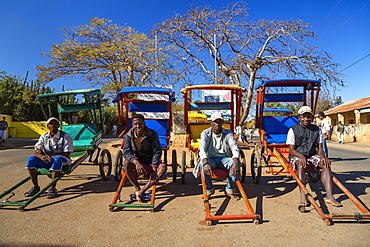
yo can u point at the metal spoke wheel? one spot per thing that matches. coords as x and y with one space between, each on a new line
174 166
183 167
256 166
117 165
105 164
243 167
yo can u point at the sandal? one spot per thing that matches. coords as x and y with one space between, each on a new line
32 191
52 193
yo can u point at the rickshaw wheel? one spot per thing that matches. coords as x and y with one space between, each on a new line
243 167
183 167
314 177
117 165
256 168
256 222
209 222
105 164
174 166
111 209
192 159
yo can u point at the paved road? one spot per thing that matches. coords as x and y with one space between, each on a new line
80 215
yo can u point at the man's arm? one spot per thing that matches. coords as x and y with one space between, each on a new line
203 155
301 158
156 149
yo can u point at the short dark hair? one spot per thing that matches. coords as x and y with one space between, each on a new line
321 114
138 116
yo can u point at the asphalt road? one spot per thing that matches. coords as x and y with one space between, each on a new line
80 215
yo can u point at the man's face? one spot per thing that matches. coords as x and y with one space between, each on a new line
217 126
305 119
139 125
53 126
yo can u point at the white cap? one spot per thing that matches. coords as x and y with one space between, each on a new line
217 115
304 109
51 119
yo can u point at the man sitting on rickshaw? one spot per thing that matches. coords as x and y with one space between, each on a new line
307 155
218 149
52 151
142 152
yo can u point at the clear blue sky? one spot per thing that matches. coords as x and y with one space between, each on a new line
29 28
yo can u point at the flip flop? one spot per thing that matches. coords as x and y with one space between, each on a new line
32 192
334 204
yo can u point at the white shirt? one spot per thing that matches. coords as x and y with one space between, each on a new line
324 126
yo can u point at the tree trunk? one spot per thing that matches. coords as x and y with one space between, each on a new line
245 111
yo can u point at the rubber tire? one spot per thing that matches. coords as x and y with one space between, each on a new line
256 167
117 165
174 166
243 167
105 164
183 166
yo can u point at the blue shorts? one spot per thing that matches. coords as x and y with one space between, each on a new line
56 164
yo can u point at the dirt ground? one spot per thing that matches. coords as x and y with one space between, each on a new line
80 215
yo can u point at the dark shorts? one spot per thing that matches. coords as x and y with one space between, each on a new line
313 161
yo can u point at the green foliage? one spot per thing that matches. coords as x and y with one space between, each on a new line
105 54
18 98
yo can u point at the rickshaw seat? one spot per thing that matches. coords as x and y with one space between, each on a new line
276 127
82 134
161 126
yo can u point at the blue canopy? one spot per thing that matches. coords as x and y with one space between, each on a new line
282 109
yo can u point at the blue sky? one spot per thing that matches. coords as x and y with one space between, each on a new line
30 27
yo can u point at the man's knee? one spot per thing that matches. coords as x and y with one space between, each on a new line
32 162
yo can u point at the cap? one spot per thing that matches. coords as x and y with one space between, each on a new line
217 115
321 114
51 119
304 109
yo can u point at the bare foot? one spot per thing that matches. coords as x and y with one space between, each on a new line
233 197
139 195
333 202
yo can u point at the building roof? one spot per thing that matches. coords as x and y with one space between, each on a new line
357 104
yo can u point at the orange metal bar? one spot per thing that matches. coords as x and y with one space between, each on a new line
119 189
207 206
350 196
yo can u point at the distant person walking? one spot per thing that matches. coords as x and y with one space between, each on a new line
325 129
3 127
340 130
115 130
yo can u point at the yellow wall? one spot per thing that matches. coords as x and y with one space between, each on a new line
27 129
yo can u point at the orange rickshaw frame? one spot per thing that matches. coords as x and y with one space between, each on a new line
234 107
264 150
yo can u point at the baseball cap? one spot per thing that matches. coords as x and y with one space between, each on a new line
217 115
51 119
304 109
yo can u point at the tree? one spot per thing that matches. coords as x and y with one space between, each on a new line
18 98
255 50
107 54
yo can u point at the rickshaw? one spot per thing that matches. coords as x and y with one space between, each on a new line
225 98
86 136
155 104
273 124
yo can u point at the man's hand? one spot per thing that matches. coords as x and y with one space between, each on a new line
46 158
207 169
302 162
235 168
139 168
325 162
